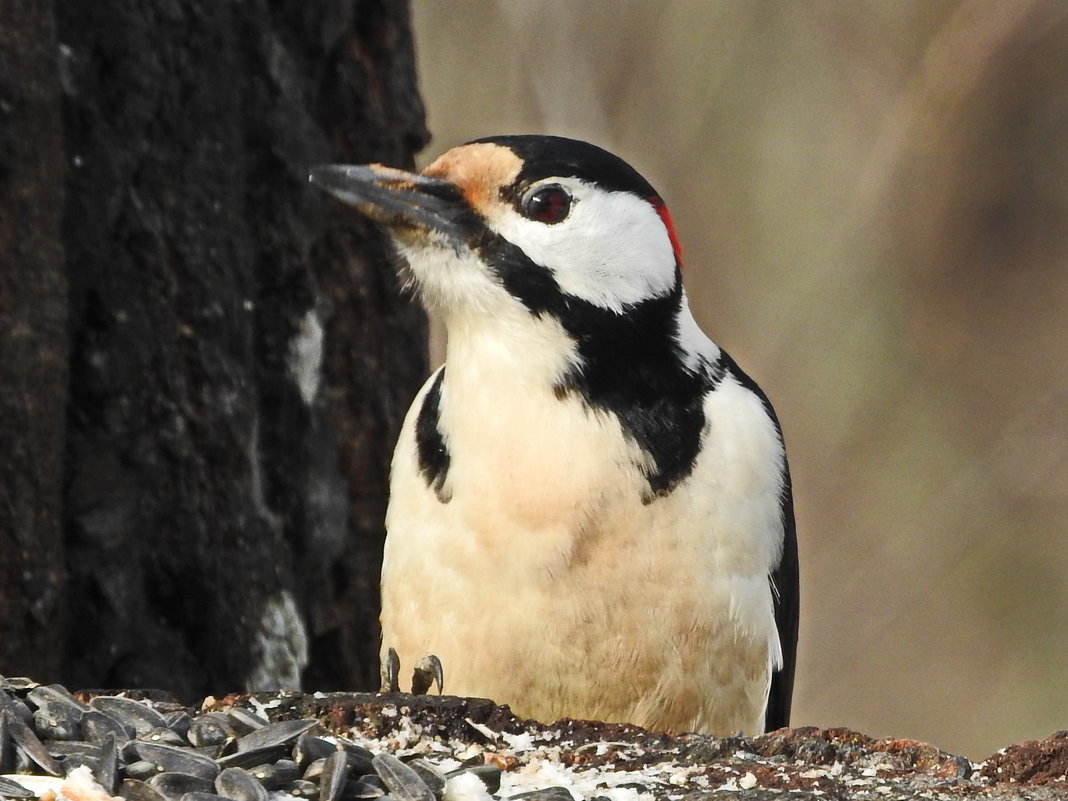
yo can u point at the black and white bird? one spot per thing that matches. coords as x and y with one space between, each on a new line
590 508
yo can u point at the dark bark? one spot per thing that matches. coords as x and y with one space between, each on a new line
33 342
240 355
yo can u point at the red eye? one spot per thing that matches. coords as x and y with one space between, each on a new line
547 204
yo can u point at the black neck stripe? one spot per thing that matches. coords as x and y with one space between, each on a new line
631 363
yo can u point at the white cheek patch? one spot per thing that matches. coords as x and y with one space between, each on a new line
612 250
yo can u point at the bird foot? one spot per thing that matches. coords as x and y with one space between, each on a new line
427 672
390 672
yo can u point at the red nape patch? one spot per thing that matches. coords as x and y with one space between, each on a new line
665 216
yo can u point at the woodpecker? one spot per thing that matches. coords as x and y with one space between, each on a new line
590 510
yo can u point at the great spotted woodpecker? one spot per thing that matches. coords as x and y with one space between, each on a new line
590 507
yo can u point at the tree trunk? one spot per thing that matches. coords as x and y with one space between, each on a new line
33 342
240 356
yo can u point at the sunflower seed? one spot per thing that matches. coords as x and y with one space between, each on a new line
55 696
302 788
17 683
283 733
175 785
365 787
251 759
245 721
545 794
212 728
12 789
402 782
239 785
433 778
6 757
179 723
313 771
134 790
140 717
275 775
335 773
164 737
141 769
65 748
29 745
16 707
310 748
361 761
96 726
178 760
107 770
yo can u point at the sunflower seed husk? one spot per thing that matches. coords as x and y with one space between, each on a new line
302 788
433 778
30 746
137 716
335 774
309 748
283 734
107 769
239 785
245 721
135 790
402 782
12 789
179 723
175 785
210 729
545 794
177 760
365 787
97 725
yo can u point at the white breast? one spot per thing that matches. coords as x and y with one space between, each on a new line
546 583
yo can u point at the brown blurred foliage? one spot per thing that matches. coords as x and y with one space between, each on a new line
873 198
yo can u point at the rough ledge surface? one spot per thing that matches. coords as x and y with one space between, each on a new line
568 760
799 763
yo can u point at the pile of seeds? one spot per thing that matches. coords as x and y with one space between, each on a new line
288 746
145 751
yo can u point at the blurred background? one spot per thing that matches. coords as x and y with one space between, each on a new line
873 203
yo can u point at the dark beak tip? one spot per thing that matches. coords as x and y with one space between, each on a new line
394 198
328 175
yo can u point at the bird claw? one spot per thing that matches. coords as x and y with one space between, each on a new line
428 671
391 672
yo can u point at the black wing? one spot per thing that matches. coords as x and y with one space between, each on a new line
786 592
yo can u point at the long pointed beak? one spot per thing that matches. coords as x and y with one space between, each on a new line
402 201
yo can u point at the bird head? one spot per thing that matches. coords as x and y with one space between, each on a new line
554 225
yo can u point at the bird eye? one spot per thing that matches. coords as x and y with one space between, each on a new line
547 204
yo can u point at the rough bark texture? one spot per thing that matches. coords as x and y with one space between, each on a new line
33 344
239 355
